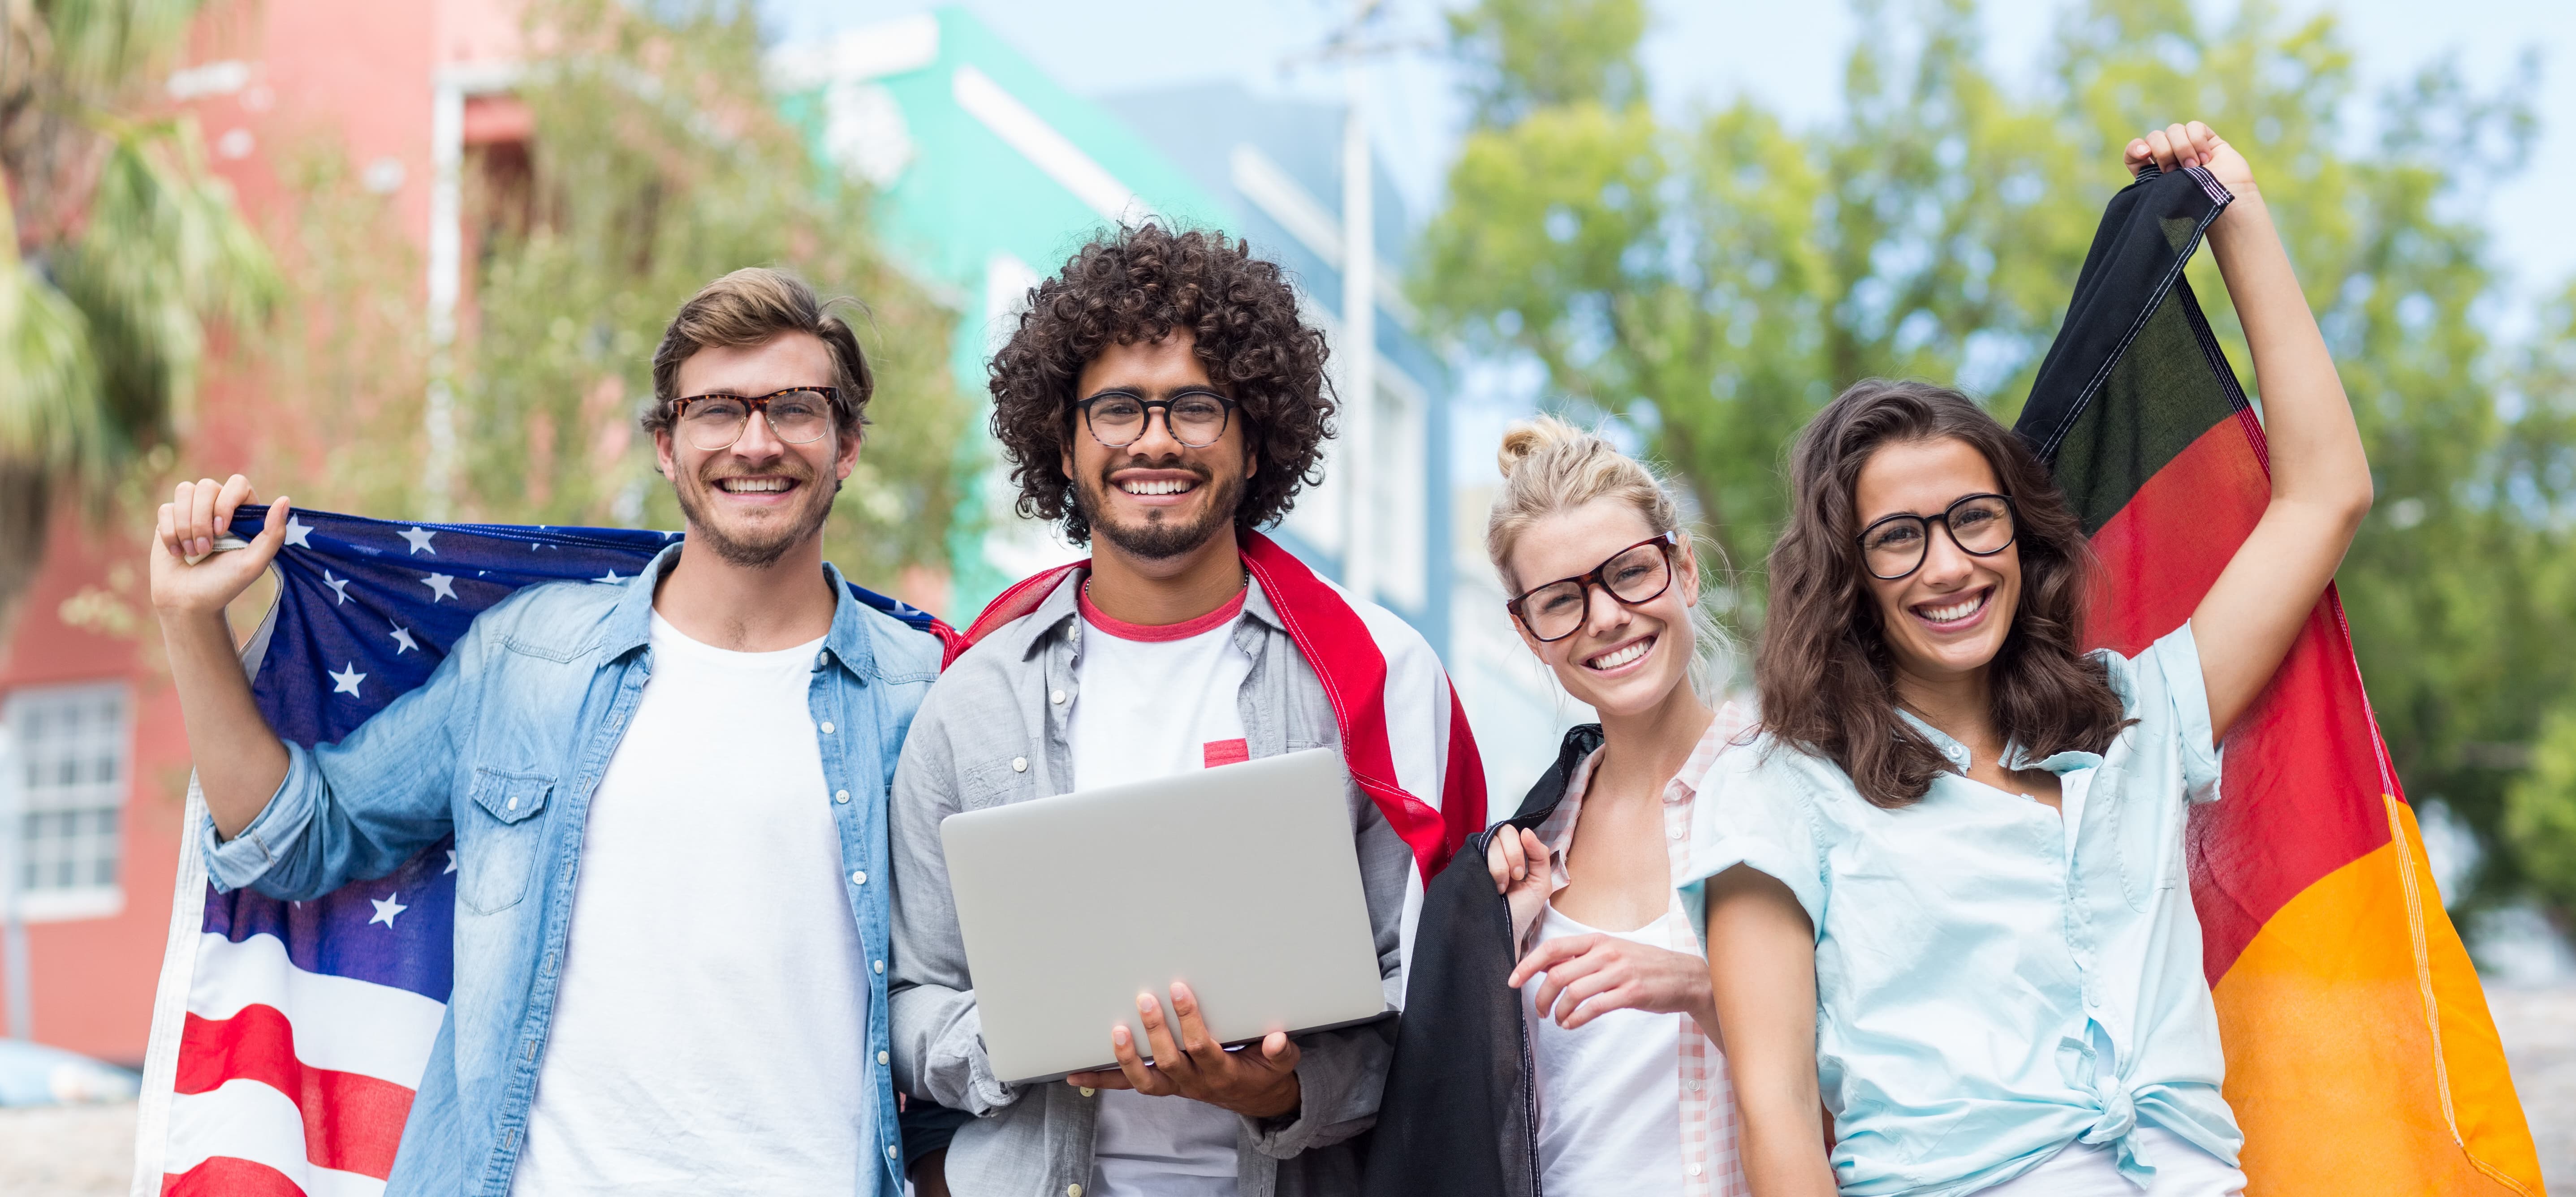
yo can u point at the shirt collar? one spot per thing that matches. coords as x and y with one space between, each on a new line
1062 609
630 623
2014 758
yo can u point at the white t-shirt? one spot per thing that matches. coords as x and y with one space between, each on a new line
1151 702
1609 1113
710 1035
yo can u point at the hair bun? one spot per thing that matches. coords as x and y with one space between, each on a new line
1526 439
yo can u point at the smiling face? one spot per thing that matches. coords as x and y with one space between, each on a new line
1156 498
762 497
1948 618
1625 660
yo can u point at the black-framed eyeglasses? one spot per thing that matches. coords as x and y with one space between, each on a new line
1894 546
1117 419
797 415
1633 575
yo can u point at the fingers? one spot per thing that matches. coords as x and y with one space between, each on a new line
168 530
2184 153
1132 1068
1168 1057
1540 859
1201 1047
1545 956
1585 999
1110 1079
1280 1052
272 532
236 491
1581 966
201 517
1503 859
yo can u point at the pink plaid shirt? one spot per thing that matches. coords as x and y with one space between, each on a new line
1710 1166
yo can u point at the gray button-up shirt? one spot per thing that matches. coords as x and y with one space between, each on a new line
991 733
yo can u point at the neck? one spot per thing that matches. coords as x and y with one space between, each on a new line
1961 706
783 604
1155 591
1642 750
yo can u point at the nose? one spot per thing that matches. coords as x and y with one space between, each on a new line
758 441
1156 441
1602 611
1944 561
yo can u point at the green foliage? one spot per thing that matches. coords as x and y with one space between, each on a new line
1712 282
122 250
1534 54
659 164
2540 811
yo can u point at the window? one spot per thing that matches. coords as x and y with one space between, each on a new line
73 742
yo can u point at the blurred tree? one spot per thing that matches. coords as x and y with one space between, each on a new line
124 250
1711 283
657 164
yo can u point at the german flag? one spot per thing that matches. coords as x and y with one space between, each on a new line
2360 1055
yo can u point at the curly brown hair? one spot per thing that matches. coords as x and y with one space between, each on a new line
1823 671
1138 284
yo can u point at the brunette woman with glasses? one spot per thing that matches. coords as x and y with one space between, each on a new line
1944 889
1558 1032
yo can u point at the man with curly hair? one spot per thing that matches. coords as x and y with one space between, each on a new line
1162 401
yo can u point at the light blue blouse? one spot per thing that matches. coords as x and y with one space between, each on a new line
1995 981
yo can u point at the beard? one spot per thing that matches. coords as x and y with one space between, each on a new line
1162 536
760 546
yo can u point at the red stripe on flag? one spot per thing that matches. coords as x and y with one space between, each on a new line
1345 657
352 1122
224 1176
2173 537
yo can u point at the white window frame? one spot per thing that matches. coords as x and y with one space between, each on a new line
83 811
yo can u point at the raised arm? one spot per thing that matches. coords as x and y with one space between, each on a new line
240 762
1762 975
2320 479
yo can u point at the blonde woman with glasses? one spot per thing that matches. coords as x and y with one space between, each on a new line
1559 1031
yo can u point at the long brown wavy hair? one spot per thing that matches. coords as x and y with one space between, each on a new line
1824 672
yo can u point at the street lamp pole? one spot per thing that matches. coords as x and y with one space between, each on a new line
13 925
1359 330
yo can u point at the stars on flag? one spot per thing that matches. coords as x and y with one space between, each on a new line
339 588
440 586
419 539
297 531
611 578
386 908
451 862
403 642
346 680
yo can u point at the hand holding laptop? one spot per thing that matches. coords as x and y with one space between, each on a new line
1257 1082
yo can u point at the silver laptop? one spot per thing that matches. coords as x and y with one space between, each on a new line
1241 880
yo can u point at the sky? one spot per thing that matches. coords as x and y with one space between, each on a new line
1706 52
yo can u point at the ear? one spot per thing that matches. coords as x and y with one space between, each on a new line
1687 565
662 454
846 458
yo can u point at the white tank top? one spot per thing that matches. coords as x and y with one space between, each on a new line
1609 1107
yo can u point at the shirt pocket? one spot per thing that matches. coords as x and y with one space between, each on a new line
496 843
2148 833
991 783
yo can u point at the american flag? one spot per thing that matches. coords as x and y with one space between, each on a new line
288 1037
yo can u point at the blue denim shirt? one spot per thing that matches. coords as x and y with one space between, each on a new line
504 746
1996 980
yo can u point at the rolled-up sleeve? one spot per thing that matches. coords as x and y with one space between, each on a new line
1753 814
2169 685
361 806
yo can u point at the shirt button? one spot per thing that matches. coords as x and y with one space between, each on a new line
1693 1086
880 967
859 878
1694 1169
822 659
1088 1090
1019 764
840 795
881 1057
1073 1191
827 727
891 1153
1676 833
1057 698
513 804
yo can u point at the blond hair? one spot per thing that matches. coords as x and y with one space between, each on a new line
1549 467
752 306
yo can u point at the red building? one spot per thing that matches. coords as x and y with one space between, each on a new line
403 88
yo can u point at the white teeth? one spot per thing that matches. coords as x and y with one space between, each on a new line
1165 487
744 486
1613 660
1956 611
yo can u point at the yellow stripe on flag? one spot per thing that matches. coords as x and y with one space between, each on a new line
2360 1055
